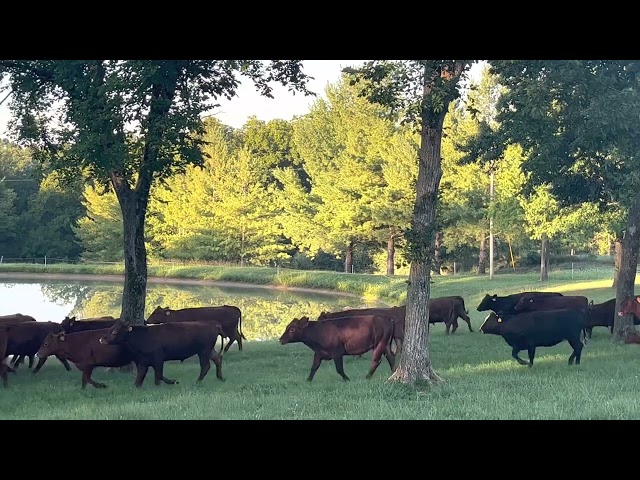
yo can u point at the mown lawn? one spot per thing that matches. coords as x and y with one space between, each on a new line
268 381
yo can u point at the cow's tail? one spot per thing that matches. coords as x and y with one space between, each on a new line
240 326
392 337
464 307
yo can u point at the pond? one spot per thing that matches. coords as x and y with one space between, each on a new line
265 312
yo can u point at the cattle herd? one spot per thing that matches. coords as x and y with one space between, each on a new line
524 320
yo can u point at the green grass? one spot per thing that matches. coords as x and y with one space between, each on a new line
268 381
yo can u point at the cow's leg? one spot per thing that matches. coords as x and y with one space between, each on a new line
589 331
391 358
226 349
455 325
205 365
31 357
340 368
377 358
86 378
448 327
217 360
64 362
16 361
141 372
158 369
577 345
41 361
514 354
3 374
314 368
239 339
532 354
466 318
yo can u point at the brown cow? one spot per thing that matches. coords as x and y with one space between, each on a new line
630 306
228 316
71 325
26 338
85 351
151 346
16 318
529 303
602 315
447 310
334 338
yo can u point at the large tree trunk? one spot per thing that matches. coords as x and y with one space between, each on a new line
348 258
544 258
628 267
491 238
617 261
415 363
391 253
482 257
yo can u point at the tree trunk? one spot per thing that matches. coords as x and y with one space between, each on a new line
482 257
544 258
391 253
415 363
628 266
491 239
618 259
135 259
437 260
348 258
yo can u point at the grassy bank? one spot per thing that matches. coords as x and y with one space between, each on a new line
391 290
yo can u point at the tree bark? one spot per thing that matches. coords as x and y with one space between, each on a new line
133 204
491 239
482 257
348 258
628 265
391 253
618 259
544 258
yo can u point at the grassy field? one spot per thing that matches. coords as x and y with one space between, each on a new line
268 380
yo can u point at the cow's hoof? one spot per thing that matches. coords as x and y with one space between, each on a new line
100 385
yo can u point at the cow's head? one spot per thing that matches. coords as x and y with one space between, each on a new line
524 304
68 322
159 315
491 324
630 306
116 334
293 331
51 344
488 303
322 315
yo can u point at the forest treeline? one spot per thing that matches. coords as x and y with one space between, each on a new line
333 189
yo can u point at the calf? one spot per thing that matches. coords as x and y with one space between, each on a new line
71 325
533 303
602 315
228 316
334 338
24 339
505 304
151 346
86 351
529 330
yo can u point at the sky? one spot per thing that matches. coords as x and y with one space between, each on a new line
248 102
28 299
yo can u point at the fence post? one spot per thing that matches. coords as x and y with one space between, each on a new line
45 260
571 270
1 257
454 267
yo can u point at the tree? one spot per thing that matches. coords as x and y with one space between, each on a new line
575 119
418 92
126 124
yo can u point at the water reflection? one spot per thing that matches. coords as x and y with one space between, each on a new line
265 313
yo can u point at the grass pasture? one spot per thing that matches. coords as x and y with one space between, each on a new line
268 380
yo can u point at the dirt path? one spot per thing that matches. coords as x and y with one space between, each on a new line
164 280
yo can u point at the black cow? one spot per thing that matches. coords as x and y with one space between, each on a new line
505 304
332 339
71 325
602 315
85 351
153 345
529 330
24 339
530 303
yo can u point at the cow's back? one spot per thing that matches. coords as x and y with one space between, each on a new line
16 318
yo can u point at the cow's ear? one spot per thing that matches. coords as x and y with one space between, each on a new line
130 328
494 296
499 320
638 299
531 300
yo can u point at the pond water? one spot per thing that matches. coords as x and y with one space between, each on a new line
265 312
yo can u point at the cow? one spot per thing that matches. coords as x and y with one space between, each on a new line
528 330
24 339
228 316
334 338
71 325
505 304
602 315
16 318
152 345
394 313
630 305
447 310
533 303
85 351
